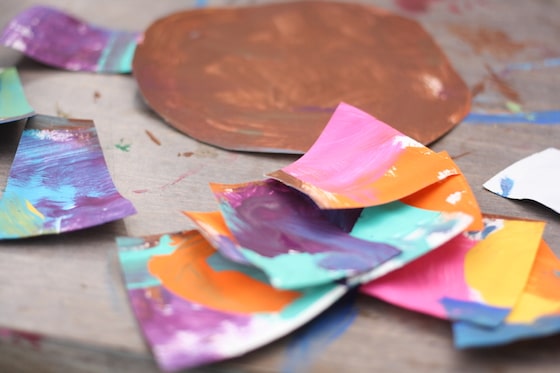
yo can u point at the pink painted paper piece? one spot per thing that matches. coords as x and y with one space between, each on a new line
359 161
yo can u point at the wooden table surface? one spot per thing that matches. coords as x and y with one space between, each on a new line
65 295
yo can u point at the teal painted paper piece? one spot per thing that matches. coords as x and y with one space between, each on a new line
413 230
13 103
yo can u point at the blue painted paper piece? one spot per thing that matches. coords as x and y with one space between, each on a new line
475 312
467 335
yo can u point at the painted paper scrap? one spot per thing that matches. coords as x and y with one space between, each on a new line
283 232
535 178
13 103
414 231
214 228
453 194
359 161
536 314
477 276
59 181
196 307
60 40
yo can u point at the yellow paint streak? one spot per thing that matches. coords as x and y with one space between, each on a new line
498 267
541 296
32 208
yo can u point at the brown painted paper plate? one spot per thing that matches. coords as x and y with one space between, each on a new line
267 78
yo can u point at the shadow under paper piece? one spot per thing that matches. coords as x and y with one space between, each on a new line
13 103
196 307
60 40
59 181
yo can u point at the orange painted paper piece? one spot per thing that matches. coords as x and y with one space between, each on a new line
452 194
541 296
210 222
187 273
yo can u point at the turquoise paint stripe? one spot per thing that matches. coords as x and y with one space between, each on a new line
13 103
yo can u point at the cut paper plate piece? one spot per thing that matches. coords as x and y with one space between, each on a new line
13 103
195 307
453 194
359 161
60 40
267 77
476 277
59 181
283 232
535 177
536 314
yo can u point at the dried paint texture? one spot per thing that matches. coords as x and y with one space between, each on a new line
414 231
59 181
452 194
214 228
536 313
194 306
359 161
13 104
467 278
535 177
283 232
267 77
60 40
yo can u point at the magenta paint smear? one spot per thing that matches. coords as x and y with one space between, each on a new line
60 40
59 181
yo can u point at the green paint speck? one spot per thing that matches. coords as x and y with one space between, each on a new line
513 107
122 146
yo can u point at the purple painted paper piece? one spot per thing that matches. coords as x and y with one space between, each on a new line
60 40
272 219
184 332
59 181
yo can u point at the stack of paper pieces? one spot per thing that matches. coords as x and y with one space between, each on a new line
365 206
